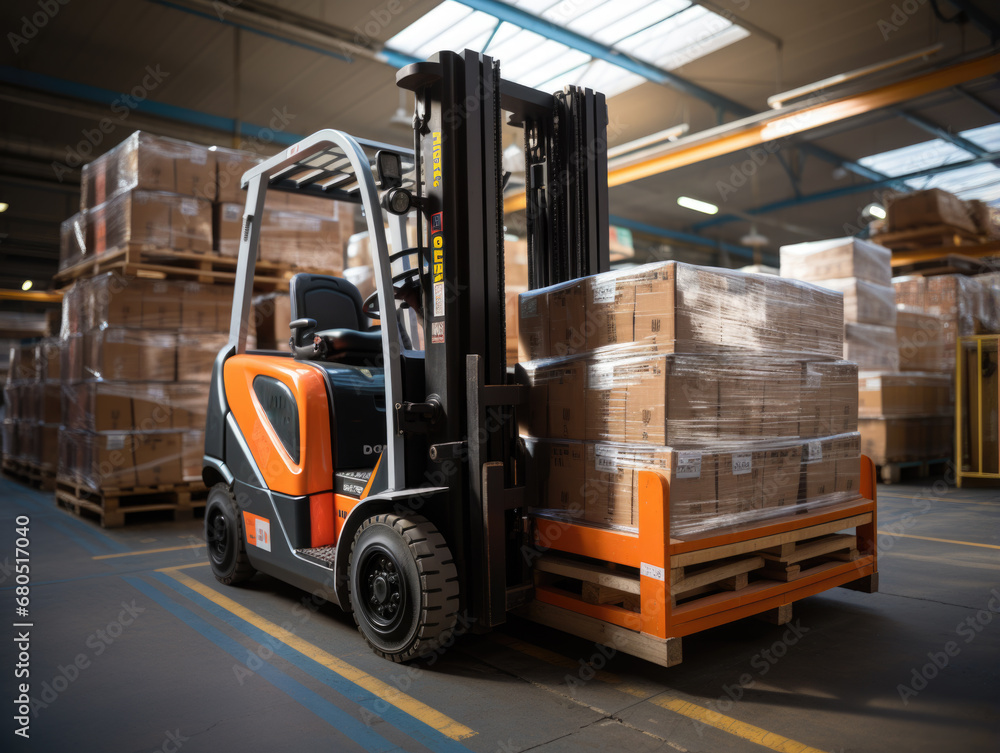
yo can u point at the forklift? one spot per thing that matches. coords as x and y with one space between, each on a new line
378 462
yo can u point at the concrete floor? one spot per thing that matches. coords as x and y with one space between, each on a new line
125 657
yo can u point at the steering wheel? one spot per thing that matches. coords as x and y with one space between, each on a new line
370 307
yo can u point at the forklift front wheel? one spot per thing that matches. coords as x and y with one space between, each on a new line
404 586
224 536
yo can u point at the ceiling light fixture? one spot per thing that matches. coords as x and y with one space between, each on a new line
26 285
698 206
4 206
875 210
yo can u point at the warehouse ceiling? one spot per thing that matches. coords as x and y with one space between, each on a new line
207 71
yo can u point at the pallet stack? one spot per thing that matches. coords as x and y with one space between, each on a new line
31 426
729 384
151 260
934 218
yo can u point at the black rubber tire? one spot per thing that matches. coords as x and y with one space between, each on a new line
426 582
224 536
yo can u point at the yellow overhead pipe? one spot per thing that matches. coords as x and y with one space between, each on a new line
689 151
38 296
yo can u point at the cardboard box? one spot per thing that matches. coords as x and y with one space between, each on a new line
105 408
691 477
871 347
608 481
157 356
838 383
820 480
610 309
196 356
782 403
566 313
230 166
912 394
50 410
780 475
566 407
533 326
895 440
605 399
927 208
864 301
739 481
161 306
565 476
837 259
158 458
111 355
191 225
199 309
194 173
227 228
848 477
671 400
815 407
921 341
193 453
533 420
151 408
109 460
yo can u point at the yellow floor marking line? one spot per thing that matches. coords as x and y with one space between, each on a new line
144 551
551 657
734 727
939 499
431 717
170 569
943 541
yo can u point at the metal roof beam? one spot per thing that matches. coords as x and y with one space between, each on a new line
677 235
942 133
847 190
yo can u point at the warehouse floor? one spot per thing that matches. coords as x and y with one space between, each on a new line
135 647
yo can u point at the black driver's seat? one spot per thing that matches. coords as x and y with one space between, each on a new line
333 305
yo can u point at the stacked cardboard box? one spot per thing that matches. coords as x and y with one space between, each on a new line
862 272
32 397
306 232
137 357
728 384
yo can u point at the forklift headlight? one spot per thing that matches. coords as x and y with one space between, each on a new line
398 200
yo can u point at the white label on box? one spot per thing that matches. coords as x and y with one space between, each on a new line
688 465
199 157
873 383
438 299
652 571
116 441
189 207
601 376
231 212
814 451
604 292
742 463
310 224
262 533
606 459
813 378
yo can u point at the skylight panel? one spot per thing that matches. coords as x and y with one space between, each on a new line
916 157
666 33
988 137
975 182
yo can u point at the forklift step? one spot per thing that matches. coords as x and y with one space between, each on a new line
322 555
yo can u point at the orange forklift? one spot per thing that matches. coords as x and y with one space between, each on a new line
379 461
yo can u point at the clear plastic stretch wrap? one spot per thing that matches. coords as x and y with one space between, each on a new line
287 237
837 259
152 163
871 346
120 460
134 407
729 384
637 393
72 240
885 395
709 488
897 439
865 302
32 400
967 305
681 308
150 220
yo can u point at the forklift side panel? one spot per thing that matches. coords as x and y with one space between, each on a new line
313 471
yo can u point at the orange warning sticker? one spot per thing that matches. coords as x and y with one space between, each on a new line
258 531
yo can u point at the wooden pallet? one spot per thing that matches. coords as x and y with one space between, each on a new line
140 260
893 473
31 474
110 506
930 236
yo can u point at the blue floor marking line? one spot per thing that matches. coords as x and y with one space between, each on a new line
26 498
418 730
337 718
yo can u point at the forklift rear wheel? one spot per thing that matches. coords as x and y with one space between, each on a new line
404 586
225 539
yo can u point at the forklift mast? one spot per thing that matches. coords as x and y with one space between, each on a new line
459 99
